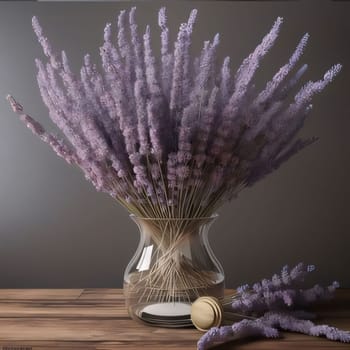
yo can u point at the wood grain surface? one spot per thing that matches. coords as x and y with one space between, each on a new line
84 319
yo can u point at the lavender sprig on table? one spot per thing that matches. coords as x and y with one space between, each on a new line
282 291
268 326
274 304
171 135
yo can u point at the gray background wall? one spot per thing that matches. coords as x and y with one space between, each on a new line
57 231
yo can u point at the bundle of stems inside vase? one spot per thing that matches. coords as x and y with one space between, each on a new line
173 135
172 275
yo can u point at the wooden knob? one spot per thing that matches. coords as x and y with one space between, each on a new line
206 312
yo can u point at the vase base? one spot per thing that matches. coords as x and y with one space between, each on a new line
161 310
171 314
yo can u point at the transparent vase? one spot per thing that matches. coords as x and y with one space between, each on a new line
172 266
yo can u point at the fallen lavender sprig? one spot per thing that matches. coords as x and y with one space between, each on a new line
239 330
267 326
172 135
275 304
281 292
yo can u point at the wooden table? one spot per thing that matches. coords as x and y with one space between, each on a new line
84 319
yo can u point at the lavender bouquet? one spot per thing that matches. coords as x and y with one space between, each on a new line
172 137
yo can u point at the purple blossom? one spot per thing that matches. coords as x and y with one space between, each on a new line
167 56
176 93
274 304
208 130
239 330
45 44
281 292
288 322
61 149
279 77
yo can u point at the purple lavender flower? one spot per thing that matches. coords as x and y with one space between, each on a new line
275 303
56 144
267 326
290 323
281 292
239 330
207 130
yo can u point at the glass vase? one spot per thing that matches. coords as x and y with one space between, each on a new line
172 266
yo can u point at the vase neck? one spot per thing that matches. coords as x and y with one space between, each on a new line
173 230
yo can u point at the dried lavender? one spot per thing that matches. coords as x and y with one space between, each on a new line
171 136
282 292
274 304
56 144
267 326
207 130
241 329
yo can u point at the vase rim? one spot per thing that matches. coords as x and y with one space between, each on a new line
213 216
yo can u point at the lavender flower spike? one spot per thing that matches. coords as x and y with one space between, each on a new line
166 56
305 94
290 323
44 42
278 78
57 145
251 63
176 94
281 292
239 330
